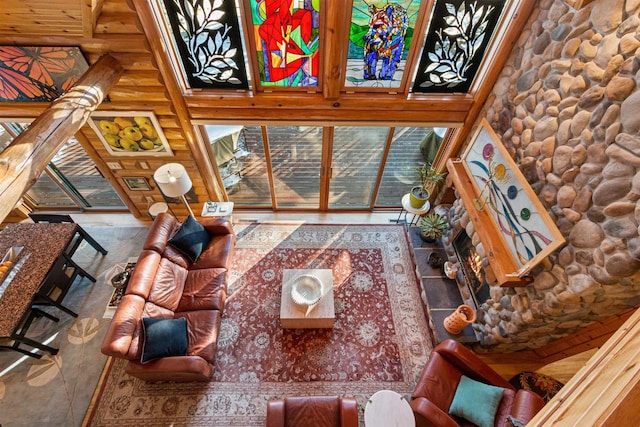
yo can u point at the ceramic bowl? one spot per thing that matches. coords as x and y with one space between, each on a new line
306 290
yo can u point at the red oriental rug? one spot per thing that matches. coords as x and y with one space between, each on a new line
380 339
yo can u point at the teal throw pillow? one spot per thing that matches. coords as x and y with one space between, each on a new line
191 239
163 338
476 402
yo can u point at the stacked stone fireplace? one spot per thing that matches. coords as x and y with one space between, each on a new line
566 107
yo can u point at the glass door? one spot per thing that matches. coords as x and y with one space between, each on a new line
310 167
355 161
296 160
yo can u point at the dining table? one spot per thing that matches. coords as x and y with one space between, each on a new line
40 245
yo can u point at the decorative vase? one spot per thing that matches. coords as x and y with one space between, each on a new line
459 319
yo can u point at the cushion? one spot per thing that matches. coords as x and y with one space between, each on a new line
163 338
190 239
476 402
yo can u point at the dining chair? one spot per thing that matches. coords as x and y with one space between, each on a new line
19 337
57 284
50 218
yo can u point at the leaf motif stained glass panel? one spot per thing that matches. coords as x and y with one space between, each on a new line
456 43
287 37
208 38
380 35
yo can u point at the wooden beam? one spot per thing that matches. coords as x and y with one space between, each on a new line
22 162
335 32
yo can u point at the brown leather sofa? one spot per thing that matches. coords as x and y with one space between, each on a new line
166 284
312 411
437 386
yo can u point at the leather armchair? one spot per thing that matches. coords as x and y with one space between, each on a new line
312 411
437 386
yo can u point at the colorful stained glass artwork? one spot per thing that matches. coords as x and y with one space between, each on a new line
287 41
520 217
38 73
380 37
459 33
208 37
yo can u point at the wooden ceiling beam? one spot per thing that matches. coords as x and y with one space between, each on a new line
22 162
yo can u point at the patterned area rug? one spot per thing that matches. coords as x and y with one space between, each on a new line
380 339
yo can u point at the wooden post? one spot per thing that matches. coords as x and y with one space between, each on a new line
22 162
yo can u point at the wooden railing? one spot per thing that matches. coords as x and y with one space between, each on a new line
606 391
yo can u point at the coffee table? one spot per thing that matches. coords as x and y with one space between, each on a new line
387 408
320 315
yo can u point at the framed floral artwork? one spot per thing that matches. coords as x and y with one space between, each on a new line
133 133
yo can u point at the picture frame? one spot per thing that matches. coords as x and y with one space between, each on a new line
136 183
130 133
514 210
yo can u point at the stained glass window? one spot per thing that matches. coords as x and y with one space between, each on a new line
208 38
380 35
287 41
458 36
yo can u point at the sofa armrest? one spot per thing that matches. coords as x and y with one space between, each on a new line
349 412
119 335
217 226
526 404
427 414
470 364
177 368
275 413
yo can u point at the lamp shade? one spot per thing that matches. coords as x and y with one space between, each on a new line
173 179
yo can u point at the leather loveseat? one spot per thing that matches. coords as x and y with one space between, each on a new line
166 284
437 386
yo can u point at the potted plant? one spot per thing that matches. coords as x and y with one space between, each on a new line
428 177
432 225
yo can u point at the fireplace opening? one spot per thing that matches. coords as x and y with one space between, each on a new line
472 270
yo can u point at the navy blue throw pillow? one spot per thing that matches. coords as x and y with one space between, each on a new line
163 338
191 239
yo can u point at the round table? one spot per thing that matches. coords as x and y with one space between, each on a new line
407 208
157 208
387 408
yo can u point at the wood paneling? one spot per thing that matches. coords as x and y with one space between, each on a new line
40 18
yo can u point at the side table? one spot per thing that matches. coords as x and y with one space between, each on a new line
221 209
387 408
407 208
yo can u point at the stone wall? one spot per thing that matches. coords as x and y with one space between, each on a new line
567 106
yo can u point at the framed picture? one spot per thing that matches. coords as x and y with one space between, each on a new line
136 183
501 190
133 133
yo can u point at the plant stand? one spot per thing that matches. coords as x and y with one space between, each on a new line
407 208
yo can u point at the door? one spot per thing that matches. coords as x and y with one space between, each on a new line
319 168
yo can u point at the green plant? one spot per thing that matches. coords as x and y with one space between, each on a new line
428 177
432 225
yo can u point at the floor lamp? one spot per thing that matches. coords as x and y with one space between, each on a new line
174 181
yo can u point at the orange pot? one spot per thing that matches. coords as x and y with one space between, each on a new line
459 319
